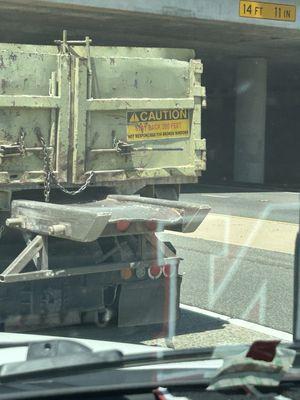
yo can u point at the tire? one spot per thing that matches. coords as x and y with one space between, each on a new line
167 192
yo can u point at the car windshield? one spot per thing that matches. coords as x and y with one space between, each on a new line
149 172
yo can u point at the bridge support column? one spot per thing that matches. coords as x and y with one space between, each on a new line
251 92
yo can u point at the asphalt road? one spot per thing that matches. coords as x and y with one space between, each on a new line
239 263
271 205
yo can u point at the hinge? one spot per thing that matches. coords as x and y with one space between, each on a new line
200 154
200 144
197 89
10 150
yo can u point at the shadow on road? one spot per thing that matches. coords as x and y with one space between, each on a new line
232 187
189 323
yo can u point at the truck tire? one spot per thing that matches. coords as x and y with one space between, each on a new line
167 192
100 318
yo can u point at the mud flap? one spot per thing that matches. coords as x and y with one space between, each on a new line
49 303
147 302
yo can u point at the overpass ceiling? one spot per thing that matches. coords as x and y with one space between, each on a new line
42 24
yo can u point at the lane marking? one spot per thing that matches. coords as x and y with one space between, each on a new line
221 196
287 337
255 233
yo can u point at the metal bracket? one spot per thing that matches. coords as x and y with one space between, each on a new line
65 44
10 150
65 47
123 148
37 246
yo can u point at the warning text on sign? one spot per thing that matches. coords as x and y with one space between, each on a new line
264 10
157 124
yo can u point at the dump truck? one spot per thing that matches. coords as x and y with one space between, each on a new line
94 145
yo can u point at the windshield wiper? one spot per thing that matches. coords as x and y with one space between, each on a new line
69 357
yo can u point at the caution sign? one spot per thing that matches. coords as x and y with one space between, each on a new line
158 124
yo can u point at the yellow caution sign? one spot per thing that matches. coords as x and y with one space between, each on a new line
264 10
134 118
158 124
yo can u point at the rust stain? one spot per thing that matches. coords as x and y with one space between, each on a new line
25 83
13 57
3 84
136 81
2 65
7 135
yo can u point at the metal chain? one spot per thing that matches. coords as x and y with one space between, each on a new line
21 142
47 169
2 229
50 175
73 192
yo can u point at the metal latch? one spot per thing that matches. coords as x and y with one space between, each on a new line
65 44
10 149
123 148
14 149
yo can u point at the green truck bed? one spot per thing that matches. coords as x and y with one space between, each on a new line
122 116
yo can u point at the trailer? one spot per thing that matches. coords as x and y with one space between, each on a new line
94 262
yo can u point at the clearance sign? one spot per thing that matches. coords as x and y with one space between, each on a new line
264 10
158 124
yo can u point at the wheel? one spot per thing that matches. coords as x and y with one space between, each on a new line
167 192
101 318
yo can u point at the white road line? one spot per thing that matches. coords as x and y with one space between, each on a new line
247 232
284 336
221 196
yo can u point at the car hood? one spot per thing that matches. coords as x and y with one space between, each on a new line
18 354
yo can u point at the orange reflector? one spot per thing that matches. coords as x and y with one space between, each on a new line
167 270
170 270
122 225
126 273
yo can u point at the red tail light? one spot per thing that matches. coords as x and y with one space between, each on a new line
154 271
169 270
151 225
122 225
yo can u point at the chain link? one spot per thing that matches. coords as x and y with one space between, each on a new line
21 142
50 175
2 229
